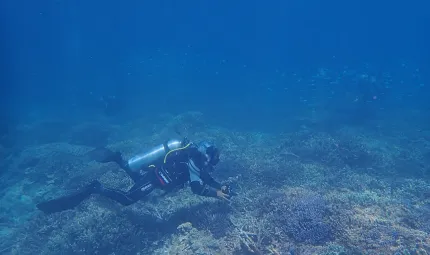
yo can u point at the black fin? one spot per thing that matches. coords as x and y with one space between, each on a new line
69 201
104 155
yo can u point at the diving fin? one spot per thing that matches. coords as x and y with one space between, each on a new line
69 201
104 155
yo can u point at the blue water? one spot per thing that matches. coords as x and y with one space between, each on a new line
197 54
271 67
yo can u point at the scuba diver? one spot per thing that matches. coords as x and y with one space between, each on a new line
166 167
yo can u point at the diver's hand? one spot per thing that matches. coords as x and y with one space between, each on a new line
222 195
226 189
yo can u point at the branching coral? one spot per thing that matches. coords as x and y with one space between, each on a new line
189 240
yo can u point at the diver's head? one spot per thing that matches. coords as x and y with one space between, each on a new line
210 154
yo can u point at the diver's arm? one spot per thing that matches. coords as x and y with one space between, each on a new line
209 180
206 186
214 184
203 190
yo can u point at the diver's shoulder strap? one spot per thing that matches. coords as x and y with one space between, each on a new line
166 146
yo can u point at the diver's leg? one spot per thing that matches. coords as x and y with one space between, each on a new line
135 176
104 155
138 191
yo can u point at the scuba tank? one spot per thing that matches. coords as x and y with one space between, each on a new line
153 155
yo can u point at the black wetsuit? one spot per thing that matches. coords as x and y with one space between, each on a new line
181 167
176 171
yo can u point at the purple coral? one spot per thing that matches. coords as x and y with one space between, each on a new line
302 218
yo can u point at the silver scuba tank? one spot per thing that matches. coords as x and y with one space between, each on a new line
149 157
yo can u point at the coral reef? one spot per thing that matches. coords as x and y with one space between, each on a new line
302 218
306 192
190 240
